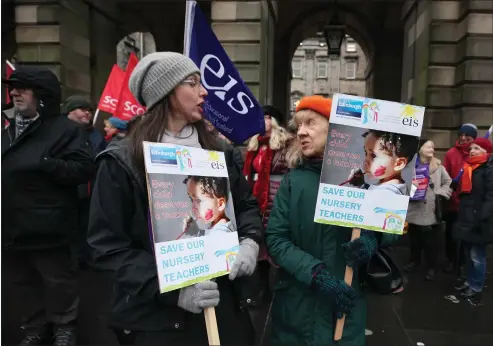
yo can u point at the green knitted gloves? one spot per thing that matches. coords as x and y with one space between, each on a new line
360 250
341 295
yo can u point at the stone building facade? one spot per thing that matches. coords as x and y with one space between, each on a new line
434 53
313 72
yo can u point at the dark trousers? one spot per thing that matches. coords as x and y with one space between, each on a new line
424 238
45 281
475 257
453 249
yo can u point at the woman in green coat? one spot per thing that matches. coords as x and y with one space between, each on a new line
310 293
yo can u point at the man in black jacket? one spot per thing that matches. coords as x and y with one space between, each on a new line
44 158
78 109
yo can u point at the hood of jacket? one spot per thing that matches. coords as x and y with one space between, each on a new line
45 85
121 152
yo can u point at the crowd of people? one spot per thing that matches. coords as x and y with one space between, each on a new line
73 198
456 202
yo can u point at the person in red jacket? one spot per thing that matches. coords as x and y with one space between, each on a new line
264 168
453 163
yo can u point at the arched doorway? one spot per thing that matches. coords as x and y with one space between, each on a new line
375 29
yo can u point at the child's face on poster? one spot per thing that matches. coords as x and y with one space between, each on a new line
379 163
204 207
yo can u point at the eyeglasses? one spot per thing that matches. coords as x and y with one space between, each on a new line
192 82
19 87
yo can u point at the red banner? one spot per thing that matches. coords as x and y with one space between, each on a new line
109 99
9 68
128 107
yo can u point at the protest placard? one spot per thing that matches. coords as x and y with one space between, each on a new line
369 163
368 167
192 214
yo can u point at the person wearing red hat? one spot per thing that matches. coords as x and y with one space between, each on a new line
475 222
311 293
453 161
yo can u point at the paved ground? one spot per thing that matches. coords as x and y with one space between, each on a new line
419 314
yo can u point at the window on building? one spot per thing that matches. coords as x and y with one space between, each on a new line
297 69
351 70
350 46
322 71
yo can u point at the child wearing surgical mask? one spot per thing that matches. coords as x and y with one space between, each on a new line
209 196
386 156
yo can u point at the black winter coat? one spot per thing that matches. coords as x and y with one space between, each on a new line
475 220
41 170
119 234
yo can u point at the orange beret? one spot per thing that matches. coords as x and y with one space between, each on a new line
316 103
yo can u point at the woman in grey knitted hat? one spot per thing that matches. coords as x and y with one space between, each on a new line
168 85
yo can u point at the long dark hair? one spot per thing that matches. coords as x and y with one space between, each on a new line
151 128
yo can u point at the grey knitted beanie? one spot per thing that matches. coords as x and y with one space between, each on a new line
157 74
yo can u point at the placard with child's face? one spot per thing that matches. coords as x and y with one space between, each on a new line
193 224
369 163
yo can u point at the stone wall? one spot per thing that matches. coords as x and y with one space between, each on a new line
76 39
245 29
448 66
56 36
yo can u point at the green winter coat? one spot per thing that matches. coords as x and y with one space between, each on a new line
300 316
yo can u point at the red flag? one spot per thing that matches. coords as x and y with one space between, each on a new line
111 92
128 107
9 68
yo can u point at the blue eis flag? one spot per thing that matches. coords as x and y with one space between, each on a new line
230 105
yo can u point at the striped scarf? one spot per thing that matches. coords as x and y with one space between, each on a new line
22 123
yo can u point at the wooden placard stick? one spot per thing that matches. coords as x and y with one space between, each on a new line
348 279
211 326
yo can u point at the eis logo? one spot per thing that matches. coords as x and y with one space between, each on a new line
409 117
349 108
214 160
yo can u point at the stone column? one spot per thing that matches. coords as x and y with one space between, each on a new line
55 35
246 31
451 43
443 95
474 72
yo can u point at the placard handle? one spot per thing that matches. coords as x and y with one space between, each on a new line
348 279
211 326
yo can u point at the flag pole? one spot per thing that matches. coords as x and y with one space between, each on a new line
189 9
10 65
95 117
209 313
